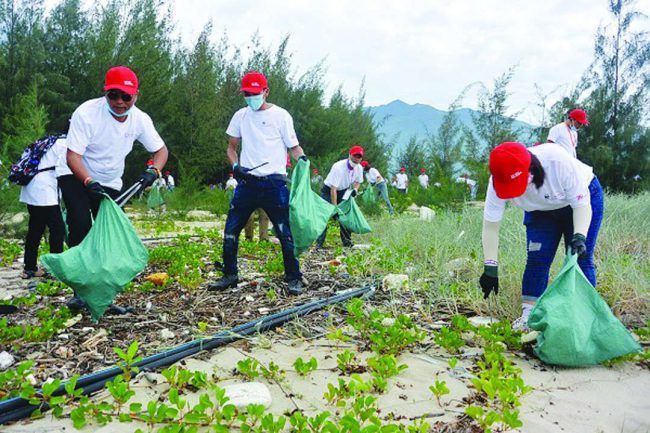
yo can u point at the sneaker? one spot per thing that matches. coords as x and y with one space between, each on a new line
119 310
76 304
26 275
296 287
224 282
521 324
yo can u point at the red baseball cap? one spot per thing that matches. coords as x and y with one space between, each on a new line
402 169
509 164
365 164
315 170
579 116
357 150
253 82
422 170
122 78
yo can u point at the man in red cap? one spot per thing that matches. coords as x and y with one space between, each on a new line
423 178
316 180
402 180
101 135
562 198
375 179
341 182
566 133
265 133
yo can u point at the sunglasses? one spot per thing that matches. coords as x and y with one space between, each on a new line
114 95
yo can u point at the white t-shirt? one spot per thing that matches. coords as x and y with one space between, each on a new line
402 180
566 183
424 180
341 177
231 183
265 137
561 134
373 176
466 180
43 190
104 142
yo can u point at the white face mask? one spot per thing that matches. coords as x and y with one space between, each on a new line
352 163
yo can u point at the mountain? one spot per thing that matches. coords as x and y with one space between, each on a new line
399 121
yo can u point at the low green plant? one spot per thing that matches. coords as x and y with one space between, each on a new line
9 251
13 379
303 368
348 362
448 339
128 358
438 389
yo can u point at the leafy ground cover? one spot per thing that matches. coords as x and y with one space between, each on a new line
369 345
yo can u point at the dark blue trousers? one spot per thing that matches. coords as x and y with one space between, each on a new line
543 232
346 235
272 196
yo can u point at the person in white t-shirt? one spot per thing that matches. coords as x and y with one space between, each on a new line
231 183
41 195
169 179
101 134
402 181
375 179
566 133
423 178
562 198
265 133
472 185
341 182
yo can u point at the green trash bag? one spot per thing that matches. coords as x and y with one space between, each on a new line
368 196
106 260
155 198
351 217
308 212
576 325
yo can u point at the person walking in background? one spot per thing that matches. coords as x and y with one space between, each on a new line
263 219
265 132
375 179
423 178
402 181
566 133
316 180
341 182
41 195
101 135
472 185
231 183
169 180
562 198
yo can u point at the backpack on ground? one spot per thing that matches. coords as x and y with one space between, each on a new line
23 171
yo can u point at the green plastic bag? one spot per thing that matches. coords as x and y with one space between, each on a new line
351 217
104 262
308 212
368 196
155 198
576 325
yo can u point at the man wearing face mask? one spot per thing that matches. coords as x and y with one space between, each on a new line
343 181
265 133
101 135
566 133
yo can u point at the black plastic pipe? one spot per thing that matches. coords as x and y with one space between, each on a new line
17 408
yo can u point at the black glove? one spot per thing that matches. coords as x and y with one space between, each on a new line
489 280
578 245
95 189
239 172
354 193
148 177
303 157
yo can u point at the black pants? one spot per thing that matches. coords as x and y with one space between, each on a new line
346 235
39 218
79 204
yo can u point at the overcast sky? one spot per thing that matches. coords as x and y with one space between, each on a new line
419 51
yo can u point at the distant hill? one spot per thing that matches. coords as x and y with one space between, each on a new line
399 121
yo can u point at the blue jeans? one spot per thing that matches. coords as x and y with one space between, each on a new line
543 232
273 197
346 235
382 191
